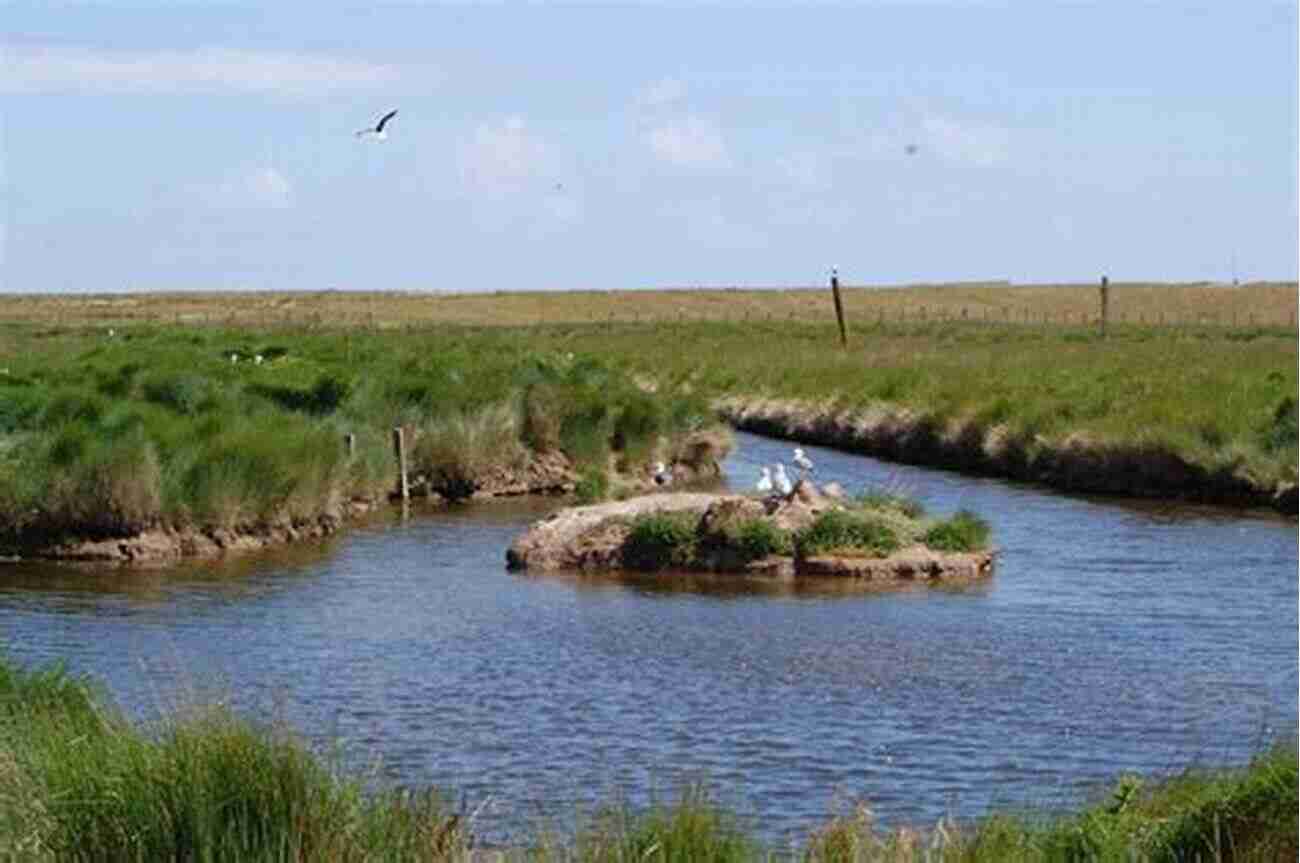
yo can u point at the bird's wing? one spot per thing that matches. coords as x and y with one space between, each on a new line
384 119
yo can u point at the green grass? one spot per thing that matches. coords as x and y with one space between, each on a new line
661 540
156 427
847 533
964 531
80 782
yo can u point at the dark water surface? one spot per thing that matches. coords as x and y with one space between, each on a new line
1111 637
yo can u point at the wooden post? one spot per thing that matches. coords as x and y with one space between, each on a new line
399 444
1105 305
350 443
839 308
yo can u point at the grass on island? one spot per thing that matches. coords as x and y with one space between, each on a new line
874 525
79 781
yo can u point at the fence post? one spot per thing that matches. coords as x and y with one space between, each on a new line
399 444
350 443
1105 305
839 308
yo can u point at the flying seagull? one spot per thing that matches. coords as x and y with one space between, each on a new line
377 132
911 149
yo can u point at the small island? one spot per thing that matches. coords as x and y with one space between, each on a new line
878 538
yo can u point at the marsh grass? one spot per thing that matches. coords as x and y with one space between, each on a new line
158 427
963 531
847 533
661 540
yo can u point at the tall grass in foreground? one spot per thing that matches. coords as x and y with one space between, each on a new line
79 782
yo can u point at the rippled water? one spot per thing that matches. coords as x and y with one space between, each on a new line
1111 637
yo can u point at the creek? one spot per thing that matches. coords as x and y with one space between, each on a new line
1113 636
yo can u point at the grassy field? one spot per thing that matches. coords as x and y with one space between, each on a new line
115 418
1269 304
78 781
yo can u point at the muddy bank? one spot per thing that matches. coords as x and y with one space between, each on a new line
1076 464
733 534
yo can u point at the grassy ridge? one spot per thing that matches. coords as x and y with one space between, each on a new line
161 426
78 781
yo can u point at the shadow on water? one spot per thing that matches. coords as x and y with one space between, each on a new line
732 586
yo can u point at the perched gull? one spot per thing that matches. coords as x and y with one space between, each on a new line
234 358
802 462
782 481
257 360
764 483
377 131
662 475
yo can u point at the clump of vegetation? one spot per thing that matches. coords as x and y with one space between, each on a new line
661 540
78 781
841 532
757 538
592 485
691 828
964 531
885 500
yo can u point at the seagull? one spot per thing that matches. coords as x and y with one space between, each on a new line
911 149
234 358
257 360
764 483
782 481
802 462
662 474
377 132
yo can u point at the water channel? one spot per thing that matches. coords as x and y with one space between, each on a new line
1112 637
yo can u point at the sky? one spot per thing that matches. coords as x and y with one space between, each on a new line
189 145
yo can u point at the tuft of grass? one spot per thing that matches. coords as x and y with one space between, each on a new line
592 486
661 540
842 532
964 531
757 538
692 829
456 451
884 500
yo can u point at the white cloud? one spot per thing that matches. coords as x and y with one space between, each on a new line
688 141
259 189
59 69
501 156
959 142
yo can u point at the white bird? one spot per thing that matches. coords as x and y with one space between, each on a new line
377 131
257 359
234 358
662 475
782 481
764 483
802 462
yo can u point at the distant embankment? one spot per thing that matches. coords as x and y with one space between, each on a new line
1075 463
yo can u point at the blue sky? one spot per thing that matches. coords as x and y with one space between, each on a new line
190 145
